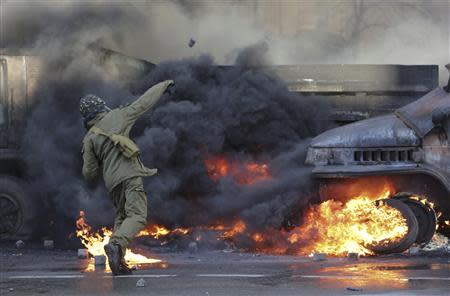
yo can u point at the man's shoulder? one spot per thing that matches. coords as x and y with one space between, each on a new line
112 115
112 121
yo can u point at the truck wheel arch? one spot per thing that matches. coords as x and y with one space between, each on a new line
422 183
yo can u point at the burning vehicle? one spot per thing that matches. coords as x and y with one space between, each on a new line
406 151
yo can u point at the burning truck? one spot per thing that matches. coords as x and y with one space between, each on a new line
406 151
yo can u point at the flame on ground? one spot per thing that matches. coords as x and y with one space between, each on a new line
337 228
243 173
350 223
157 231
238 228
332 227
95 241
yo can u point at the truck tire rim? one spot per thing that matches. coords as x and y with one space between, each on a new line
408 239
10 214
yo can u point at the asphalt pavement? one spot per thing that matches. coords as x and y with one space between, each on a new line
34 271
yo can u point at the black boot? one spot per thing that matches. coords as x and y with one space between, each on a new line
124 269
114 258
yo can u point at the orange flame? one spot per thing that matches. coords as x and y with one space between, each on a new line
337 228
94 242
351 222
257 238
243 173
158 231
238 228
334 227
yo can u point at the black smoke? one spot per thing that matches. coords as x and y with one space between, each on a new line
242 112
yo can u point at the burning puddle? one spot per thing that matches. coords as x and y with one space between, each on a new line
94 242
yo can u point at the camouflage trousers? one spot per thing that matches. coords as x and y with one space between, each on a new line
130 201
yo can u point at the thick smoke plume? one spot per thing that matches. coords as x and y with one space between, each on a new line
242 113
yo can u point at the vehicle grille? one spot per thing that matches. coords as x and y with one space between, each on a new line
400 155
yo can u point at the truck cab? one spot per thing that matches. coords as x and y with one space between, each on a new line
409 148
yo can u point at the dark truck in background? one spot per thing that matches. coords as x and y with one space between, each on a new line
355 92
18 78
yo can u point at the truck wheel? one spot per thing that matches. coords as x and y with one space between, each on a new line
16 209
409 238
425 215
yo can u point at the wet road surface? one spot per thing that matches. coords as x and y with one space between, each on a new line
42 272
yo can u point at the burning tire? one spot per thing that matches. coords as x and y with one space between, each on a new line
409 238
425 215
16 212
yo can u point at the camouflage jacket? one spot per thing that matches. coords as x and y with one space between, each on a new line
99 152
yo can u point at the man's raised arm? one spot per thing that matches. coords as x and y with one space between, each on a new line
147 100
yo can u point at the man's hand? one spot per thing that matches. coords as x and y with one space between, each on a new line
146 101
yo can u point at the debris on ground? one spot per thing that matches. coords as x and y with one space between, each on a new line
141 283
49 244
20 244
229 248
414 250
319 257
353 256
354 289
438 243
83 253
100 260
191 42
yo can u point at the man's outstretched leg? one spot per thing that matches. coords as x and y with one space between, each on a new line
134 200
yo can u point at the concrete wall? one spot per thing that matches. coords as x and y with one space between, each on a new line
361 31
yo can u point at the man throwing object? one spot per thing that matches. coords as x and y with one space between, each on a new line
107 147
